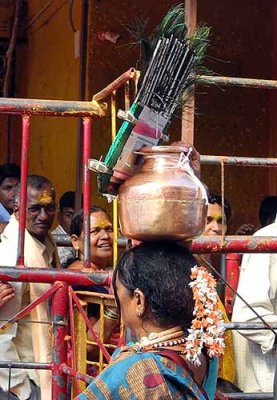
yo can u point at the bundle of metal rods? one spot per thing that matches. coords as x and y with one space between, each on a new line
167 76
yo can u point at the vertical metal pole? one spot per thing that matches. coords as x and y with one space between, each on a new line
73 341
101 336
23 188
221 287
115 208
60 316
188 111
82 96
86 186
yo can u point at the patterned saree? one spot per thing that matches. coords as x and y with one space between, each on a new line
142 376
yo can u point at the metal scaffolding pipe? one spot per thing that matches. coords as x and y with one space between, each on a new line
240 161
25 365
51 275
86 188
60 332
23 187
55 108
231 244
234 81
235 244
62 240
116 84
249 396
78 375
249 325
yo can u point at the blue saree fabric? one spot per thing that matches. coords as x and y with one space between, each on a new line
147 375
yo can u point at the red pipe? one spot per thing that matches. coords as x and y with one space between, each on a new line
240 161
86 186
23 188
235 244
41 275
53 108
60 316
233 262
30 307
72 334
78 375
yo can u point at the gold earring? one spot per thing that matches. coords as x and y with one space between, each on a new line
139 313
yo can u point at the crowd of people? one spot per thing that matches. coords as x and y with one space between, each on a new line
152 287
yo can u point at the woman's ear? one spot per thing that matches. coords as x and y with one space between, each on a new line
75 242
140 302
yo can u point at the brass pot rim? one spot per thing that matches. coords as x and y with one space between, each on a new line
160 149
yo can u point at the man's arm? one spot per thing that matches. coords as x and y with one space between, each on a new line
8 348
257 285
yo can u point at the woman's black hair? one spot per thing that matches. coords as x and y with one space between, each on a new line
77 222
161 270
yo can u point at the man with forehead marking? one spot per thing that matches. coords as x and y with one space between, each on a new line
29 342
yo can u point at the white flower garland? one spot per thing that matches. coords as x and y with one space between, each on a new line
207 327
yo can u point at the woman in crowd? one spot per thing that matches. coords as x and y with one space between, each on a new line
101 239
155 296
101 246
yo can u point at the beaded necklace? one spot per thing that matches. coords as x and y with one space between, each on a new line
156 340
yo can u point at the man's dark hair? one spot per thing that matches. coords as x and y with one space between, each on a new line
268 210
9 171
34 181
214 198
162 271
67 200
77 222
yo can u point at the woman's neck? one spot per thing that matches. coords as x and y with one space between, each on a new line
99 265
154 333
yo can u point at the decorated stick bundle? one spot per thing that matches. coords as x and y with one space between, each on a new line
171 71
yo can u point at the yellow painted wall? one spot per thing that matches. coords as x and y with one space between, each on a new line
6 16
51 71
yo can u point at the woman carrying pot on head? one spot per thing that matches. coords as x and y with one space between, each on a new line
152 287
101 252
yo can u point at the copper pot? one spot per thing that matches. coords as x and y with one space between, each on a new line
165 200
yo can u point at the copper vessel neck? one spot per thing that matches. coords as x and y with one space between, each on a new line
160 162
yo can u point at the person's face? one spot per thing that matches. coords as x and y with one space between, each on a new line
214 226
101 239
65 218
7 192
40 211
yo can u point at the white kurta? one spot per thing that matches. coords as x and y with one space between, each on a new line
26 342
255 351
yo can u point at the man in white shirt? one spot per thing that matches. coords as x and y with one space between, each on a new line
29 342
9 177
255 351
65 214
